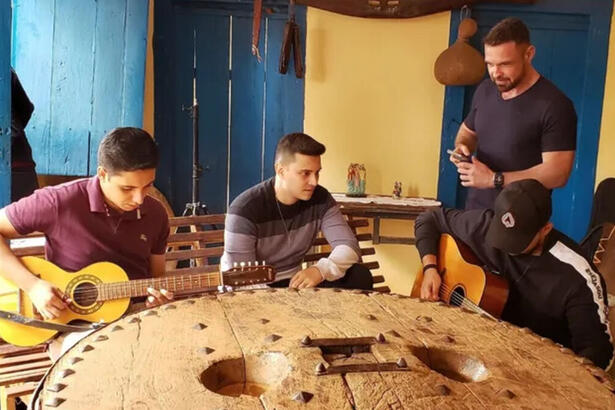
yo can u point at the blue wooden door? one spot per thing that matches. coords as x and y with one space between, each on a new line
5 103
245 106
82 63
571 42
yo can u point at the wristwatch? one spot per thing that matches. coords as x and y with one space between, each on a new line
498 180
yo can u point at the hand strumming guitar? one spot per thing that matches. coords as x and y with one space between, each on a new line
430 288
48 300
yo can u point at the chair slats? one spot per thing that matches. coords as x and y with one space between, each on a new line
378 279
213 236
16 360
216 251
197 220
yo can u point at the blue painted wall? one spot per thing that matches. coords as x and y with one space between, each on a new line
82 63
5 103
245 106
571 38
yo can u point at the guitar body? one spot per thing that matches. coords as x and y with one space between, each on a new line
463 276
78 286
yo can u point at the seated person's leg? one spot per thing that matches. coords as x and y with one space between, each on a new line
356 277
280 284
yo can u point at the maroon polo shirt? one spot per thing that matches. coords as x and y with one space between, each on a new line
80 229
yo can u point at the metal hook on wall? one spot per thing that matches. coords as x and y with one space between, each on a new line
465 12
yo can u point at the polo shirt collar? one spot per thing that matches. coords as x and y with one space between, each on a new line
95 195
97 201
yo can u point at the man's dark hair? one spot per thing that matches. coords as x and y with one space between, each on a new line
127 149
509 29
297 142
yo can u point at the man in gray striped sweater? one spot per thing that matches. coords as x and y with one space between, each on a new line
277 220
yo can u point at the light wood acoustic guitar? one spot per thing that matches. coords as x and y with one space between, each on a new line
464 282
102 292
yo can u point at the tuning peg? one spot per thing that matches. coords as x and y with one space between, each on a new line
263 263
242 264
234 264
255 263
249 263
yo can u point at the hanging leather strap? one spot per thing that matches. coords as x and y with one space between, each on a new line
256 27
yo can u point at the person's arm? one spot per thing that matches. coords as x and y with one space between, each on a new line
345 251
553 172
240 237
48 299
465 226
465 141
588 329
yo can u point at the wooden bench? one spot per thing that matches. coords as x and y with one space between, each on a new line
21 368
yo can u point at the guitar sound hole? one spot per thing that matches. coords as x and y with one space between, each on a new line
85 294
457 296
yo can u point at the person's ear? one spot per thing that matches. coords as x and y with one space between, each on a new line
102 173
280 169
530 52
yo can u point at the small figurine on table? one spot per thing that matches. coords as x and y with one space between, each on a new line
397 190
355 181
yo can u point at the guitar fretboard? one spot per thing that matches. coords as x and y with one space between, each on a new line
176 284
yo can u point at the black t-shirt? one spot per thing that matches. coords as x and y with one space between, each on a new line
558 294
513 134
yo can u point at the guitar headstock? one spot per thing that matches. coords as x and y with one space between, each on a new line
248 273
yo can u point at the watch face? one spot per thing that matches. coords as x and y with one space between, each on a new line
498 180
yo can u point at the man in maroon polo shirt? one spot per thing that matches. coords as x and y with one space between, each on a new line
107 217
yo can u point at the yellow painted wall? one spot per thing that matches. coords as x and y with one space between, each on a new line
370 97
606 153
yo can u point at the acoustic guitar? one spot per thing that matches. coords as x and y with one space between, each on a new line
102 291
464 282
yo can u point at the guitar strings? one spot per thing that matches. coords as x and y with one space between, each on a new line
461 300
113 286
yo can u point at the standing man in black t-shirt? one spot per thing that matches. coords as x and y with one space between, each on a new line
520 124
554 289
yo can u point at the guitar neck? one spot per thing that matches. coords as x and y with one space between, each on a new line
176 284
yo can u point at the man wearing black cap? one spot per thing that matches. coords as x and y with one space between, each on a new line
554 290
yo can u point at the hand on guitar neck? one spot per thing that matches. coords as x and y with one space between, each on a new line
158 297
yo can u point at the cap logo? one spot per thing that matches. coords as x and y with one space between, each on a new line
508 220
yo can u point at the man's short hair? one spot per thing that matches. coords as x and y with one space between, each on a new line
297 142
127 149
509 29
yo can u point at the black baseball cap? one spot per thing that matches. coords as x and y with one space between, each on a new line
521 210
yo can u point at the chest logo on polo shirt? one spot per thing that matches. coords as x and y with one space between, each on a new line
508 220
143 237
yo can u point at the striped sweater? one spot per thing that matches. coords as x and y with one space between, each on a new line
259 228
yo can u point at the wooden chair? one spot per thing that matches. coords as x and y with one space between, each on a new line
21 368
